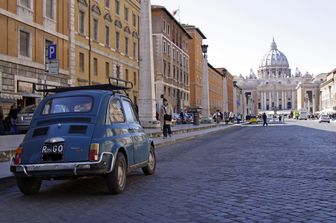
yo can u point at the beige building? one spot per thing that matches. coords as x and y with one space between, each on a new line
106 42
328 92
196 63
93 42
27 28
216 80
171 59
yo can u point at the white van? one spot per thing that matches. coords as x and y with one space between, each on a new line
303 115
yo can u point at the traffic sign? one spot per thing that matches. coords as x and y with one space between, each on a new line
52 52
53 67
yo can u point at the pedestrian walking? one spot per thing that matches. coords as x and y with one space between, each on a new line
12 117
264 116
217 117
2 127
166 113
279 118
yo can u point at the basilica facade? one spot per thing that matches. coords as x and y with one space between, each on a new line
275 89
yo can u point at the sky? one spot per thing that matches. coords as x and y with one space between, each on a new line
239 32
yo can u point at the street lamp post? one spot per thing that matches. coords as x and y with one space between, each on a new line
205 87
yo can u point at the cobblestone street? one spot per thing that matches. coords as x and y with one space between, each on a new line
280 173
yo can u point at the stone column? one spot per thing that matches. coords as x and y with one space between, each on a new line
277 100
235 100
225 95
270 100
146 101
314 102
294 100
261 100
285 100
72 45
265 100
205 92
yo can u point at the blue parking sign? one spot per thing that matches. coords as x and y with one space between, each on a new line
52 52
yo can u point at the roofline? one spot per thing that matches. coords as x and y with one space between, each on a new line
186 26
159 7
209 65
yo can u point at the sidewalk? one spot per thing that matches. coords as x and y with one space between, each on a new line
180 133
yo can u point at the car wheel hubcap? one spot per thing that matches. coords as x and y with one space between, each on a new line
121 174
151 162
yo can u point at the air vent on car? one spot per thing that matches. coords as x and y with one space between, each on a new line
40 131
63 120
79 129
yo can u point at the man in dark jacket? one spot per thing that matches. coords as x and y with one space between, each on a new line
264 116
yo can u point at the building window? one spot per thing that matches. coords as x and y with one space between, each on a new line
168 29
81 22
117 7
126 74
107 35
24 43
118 71
117 41
95 29
126 46
107 69
134 19
164 67
25 3
50 9
126 13
107 3
95 66
81 62
135 79
168 49
134 50
164 47
168 69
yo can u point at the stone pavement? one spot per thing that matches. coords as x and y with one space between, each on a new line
180 133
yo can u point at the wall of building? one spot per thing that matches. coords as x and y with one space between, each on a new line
171 60
196 67
230 91
215 89
121 62
19 71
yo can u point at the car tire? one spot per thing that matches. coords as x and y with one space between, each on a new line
116 180
29 186
150 168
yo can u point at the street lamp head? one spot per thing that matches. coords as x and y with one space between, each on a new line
204 48
224 72
235 83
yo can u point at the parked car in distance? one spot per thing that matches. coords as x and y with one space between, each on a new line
83 131
324 118
253 119
24 118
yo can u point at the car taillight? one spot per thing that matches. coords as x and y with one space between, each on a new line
18 155
94 151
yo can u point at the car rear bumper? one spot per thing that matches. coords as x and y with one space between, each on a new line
52 170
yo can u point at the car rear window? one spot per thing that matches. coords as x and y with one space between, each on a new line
76 104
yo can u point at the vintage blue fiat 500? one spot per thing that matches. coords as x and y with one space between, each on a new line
83 131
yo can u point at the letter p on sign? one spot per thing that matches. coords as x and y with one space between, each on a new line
52 52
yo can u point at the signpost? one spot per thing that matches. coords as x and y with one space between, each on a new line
51 62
